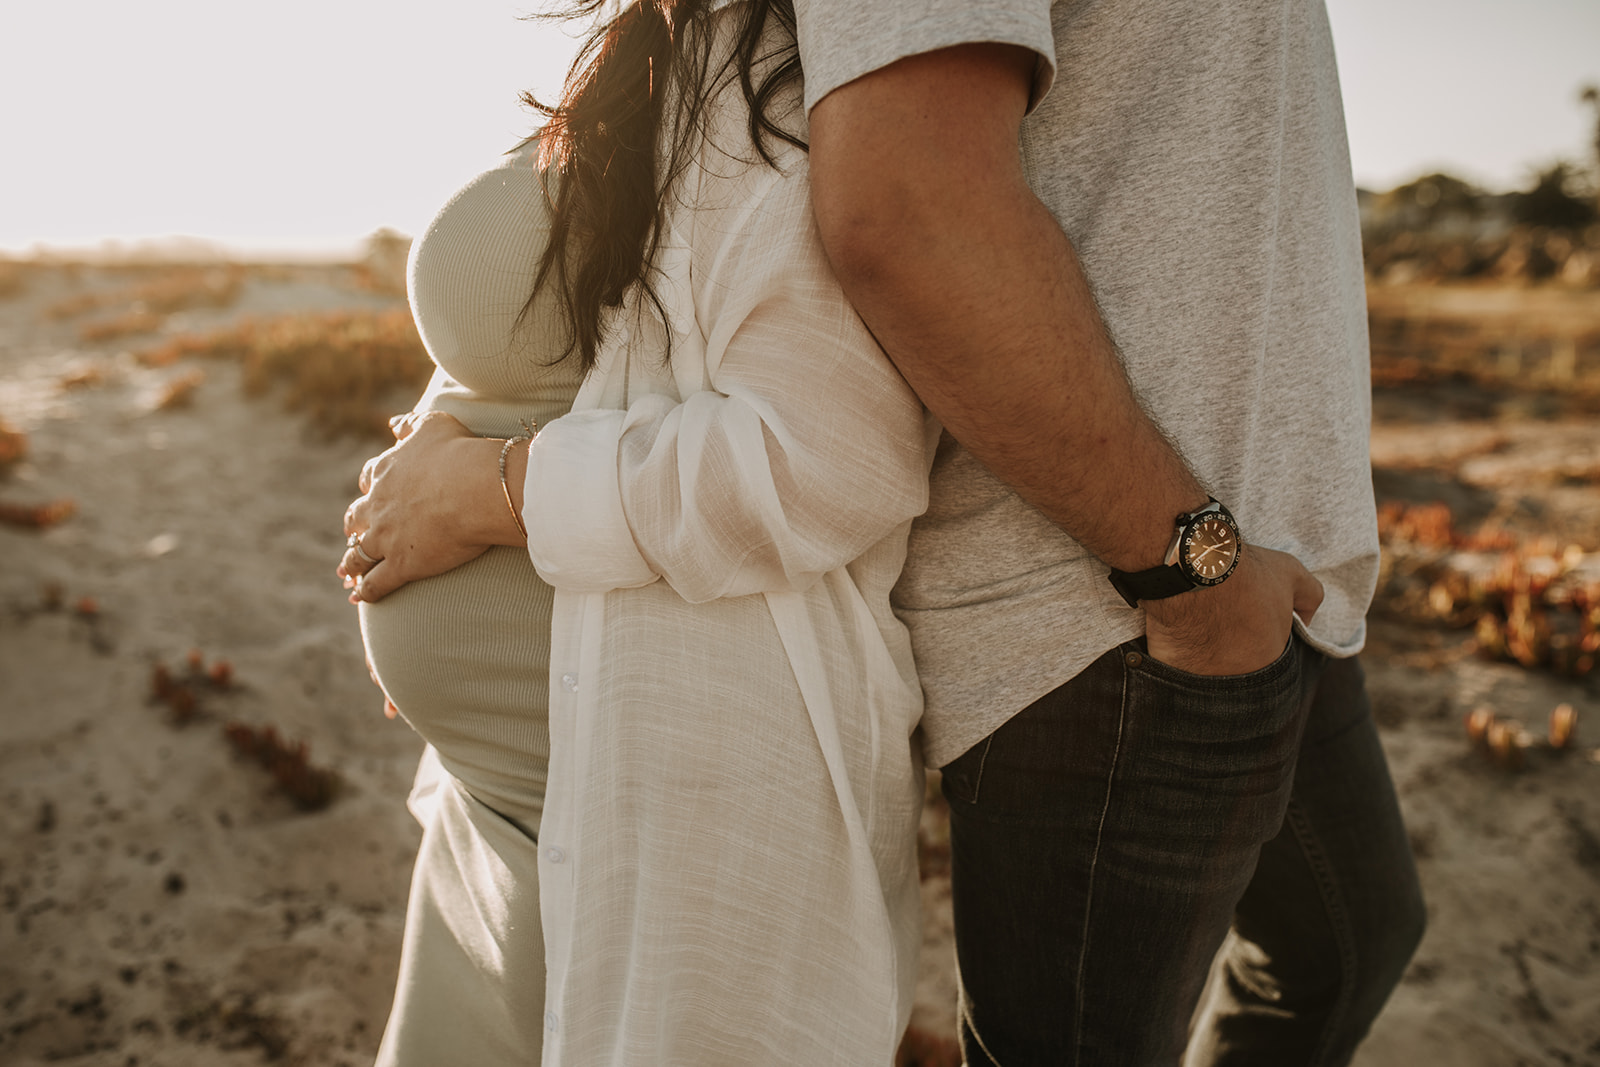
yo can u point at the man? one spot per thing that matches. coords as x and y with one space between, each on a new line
1113 246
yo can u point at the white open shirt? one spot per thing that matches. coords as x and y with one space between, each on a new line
727 854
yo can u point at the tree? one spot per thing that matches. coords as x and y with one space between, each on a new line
1552 201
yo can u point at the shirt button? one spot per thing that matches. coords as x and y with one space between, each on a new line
569 682
555 854
550 1021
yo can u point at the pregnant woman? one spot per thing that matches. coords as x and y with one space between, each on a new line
465 655
726 849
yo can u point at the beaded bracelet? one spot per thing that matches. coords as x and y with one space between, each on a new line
505 450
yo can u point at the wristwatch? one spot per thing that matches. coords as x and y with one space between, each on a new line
1204 551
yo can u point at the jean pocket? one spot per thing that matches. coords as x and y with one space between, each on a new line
1263 707
1139 660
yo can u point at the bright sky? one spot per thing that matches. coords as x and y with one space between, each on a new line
307 124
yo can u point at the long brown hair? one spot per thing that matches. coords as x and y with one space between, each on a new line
602 144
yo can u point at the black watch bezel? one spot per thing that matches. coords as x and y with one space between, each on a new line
1187 530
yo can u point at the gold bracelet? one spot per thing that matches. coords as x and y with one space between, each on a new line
505 450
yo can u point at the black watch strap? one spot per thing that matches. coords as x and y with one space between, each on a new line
1154 583
1171 577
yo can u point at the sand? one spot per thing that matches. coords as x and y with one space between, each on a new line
163 903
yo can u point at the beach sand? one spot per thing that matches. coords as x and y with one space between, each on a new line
163 902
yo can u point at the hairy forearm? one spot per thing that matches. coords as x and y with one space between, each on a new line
976 294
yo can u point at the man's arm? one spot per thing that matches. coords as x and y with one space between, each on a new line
973 290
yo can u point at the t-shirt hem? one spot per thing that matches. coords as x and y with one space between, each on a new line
976 711
961 716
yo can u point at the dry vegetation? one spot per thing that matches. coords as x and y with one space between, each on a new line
13 445
347 371
1483 338
1493 337
141 306
1535 602
38 516
13 448
187 695
288 763
13 278
1492 290
382 267
1518 255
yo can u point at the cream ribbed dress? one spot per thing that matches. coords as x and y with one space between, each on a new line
465 655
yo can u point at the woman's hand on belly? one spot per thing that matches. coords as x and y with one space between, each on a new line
431 503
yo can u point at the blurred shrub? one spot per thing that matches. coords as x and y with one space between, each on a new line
1528 602
13 279
172 289
1556 200
342 369
382 268
1429 203
1440 227
128 324
13 444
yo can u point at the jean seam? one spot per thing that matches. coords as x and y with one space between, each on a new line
983 761
966 1019
978 1040
1333 904
1094 866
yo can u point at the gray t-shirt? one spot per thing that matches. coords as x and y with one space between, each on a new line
1195 154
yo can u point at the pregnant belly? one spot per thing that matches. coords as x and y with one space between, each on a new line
465 657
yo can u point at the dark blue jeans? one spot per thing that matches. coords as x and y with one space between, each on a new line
1106 840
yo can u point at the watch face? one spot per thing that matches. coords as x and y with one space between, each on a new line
1210 549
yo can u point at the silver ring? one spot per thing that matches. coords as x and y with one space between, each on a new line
354 541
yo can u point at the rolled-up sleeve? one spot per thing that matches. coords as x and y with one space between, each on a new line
803 448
